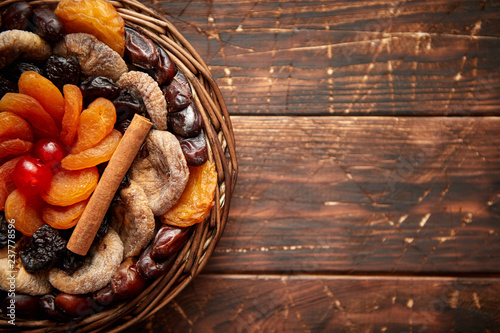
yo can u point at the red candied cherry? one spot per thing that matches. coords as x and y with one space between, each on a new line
49 151
31 176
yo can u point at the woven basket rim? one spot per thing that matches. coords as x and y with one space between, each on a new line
192 258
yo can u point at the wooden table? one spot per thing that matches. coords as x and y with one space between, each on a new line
368 196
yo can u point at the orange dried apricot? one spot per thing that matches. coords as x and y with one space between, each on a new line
25 211
96 122
95 17
73 101
98 154
63 217
44 91
196 200
6 180
15 127
13 147
71 186
32 111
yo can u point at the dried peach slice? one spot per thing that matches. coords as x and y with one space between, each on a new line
15 127
25 211
98 154
95 17
44 91
69 187
32 111
63 217
6 180
96 122
73 101
197 198
12 147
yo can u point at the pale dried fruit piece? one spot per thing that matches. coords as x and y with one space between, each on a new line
144 86
98 154
95 57
24 282
97 271
134 220
25 44
163 173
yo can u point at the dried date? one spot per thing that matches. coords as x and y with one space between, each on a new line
149 268
48 306
168 240
140 50
195 149
77 305
166 69
17 16
187 122
47 24
25 306
178 93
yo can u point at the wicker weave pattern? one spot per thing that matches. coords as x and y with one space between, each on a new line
219 134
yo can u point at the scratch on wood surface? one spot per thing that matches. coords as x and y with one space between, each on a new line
178 308
409 303
402 219
475 297
424 220
454 299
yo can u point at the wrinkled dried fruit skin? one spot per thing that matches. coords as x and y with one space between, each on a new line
6 180
98 86
32 111
14 147
96 17
166 70
140 50
168 240
22 44
195 149
95 124
43 249
14 127
69 187
197 198
6 86
125 284
63 217
77 305
187 122
17 16
45 92
127 105
178 93
47 24
98 154
73 101
69 262
27 212
62 70
149 268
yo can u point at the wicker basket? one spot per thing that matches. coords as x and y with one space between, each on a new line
219 134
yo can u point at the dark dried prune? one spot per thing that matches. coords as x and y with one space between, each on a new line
47 24
168 240
178 93
17 16
13 72
62 70
69 262
4 230
44 248
166 69
187 122
127 104
6 86
195 149
140 50
98 86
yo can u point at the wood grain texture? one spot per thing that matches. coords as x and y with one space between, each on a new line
356 58
331 304
347 194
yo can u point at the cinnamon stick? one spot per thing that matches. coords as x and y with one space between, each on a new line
99 202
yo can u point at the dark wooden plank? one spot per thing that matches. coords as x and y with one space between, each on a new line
371 57
331 304
378 194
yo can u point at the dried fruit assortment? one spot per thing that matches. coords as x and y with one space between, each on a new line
72 76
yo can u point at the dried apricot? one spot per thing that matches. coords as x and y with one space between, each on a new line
15 127
69 187
6 180
32 111
98 154
96 122
25 211
13 147
95 17
73 100
44 91
197 198
63 217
